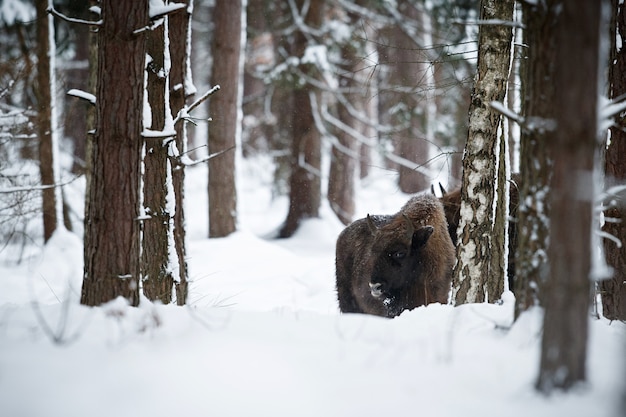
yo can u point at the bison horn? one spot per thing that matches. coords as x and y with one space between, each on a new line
372 226
409 227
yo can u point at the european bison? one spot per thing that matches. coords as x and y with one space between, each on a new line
388 264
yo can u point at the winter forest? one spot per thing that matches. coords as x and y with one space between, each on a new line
280 208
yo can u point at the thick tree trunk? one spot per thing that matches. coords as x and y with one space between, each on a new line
180 89
156 270
224 108
112 238
474 252
535 161
564 343
614 290
304 181
46 123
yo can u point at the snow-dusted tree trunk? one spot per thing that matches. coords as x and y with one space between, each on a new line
614 290
573 145
46 121
112 234
345 154
181 87
304 180
535 162
474 250
224 110
156 269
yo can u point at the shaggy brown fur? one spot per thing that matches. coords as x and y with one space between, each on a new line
388 264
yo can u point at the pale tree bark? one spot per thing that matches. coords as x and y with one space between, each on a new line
224 109
112 238
181 88
157 278
573 145
614 290
535 161
473 272
46 121
304 180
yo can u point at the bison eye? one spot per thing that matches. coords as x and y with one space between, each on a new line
397 255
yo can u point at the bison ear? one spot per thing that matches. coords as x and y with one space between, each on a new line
371 225
421 236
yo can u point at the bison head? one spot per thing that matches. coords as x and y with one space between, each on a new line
396 259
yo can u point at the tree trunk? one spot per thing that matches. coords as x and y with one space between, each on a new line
535 160
304 181
180 89
564 343
112 238
156 270
224 109
46 121
614 290
473 268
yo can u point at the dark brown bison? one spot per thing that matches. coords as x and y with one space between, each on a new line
388 264
452 209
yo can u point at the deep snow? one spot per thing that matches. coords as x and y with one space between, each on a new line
262 335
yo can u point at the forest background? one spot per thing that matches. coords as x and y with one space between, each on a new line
328 91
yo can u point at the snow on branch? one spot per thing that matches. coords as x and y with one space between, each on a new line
184 161
183 114
61 16
536 123
157 12
490 22
83 95
37 187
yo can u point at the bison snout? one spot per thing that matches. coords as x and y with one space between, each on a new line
375 289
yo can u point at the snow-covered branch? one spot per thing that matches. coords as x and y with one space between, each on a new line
83 95
61 16
37 187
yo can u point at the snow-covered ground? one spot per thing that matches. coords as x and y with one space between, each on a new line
262 335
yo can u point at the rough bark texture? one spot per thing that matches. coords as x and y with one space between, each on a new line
179 28
535 162
45 122
157 276
304 181
224 112
403 104
564 343
345 154
112 239
614 290
479 163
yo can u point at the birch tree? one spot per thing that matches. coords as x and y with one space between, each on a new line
112 238
472 272
572 146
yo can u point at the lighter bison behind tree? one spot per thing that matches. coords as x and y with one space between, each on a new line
388 264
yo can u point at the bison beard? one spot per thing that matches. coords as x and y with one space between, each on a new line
388 264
